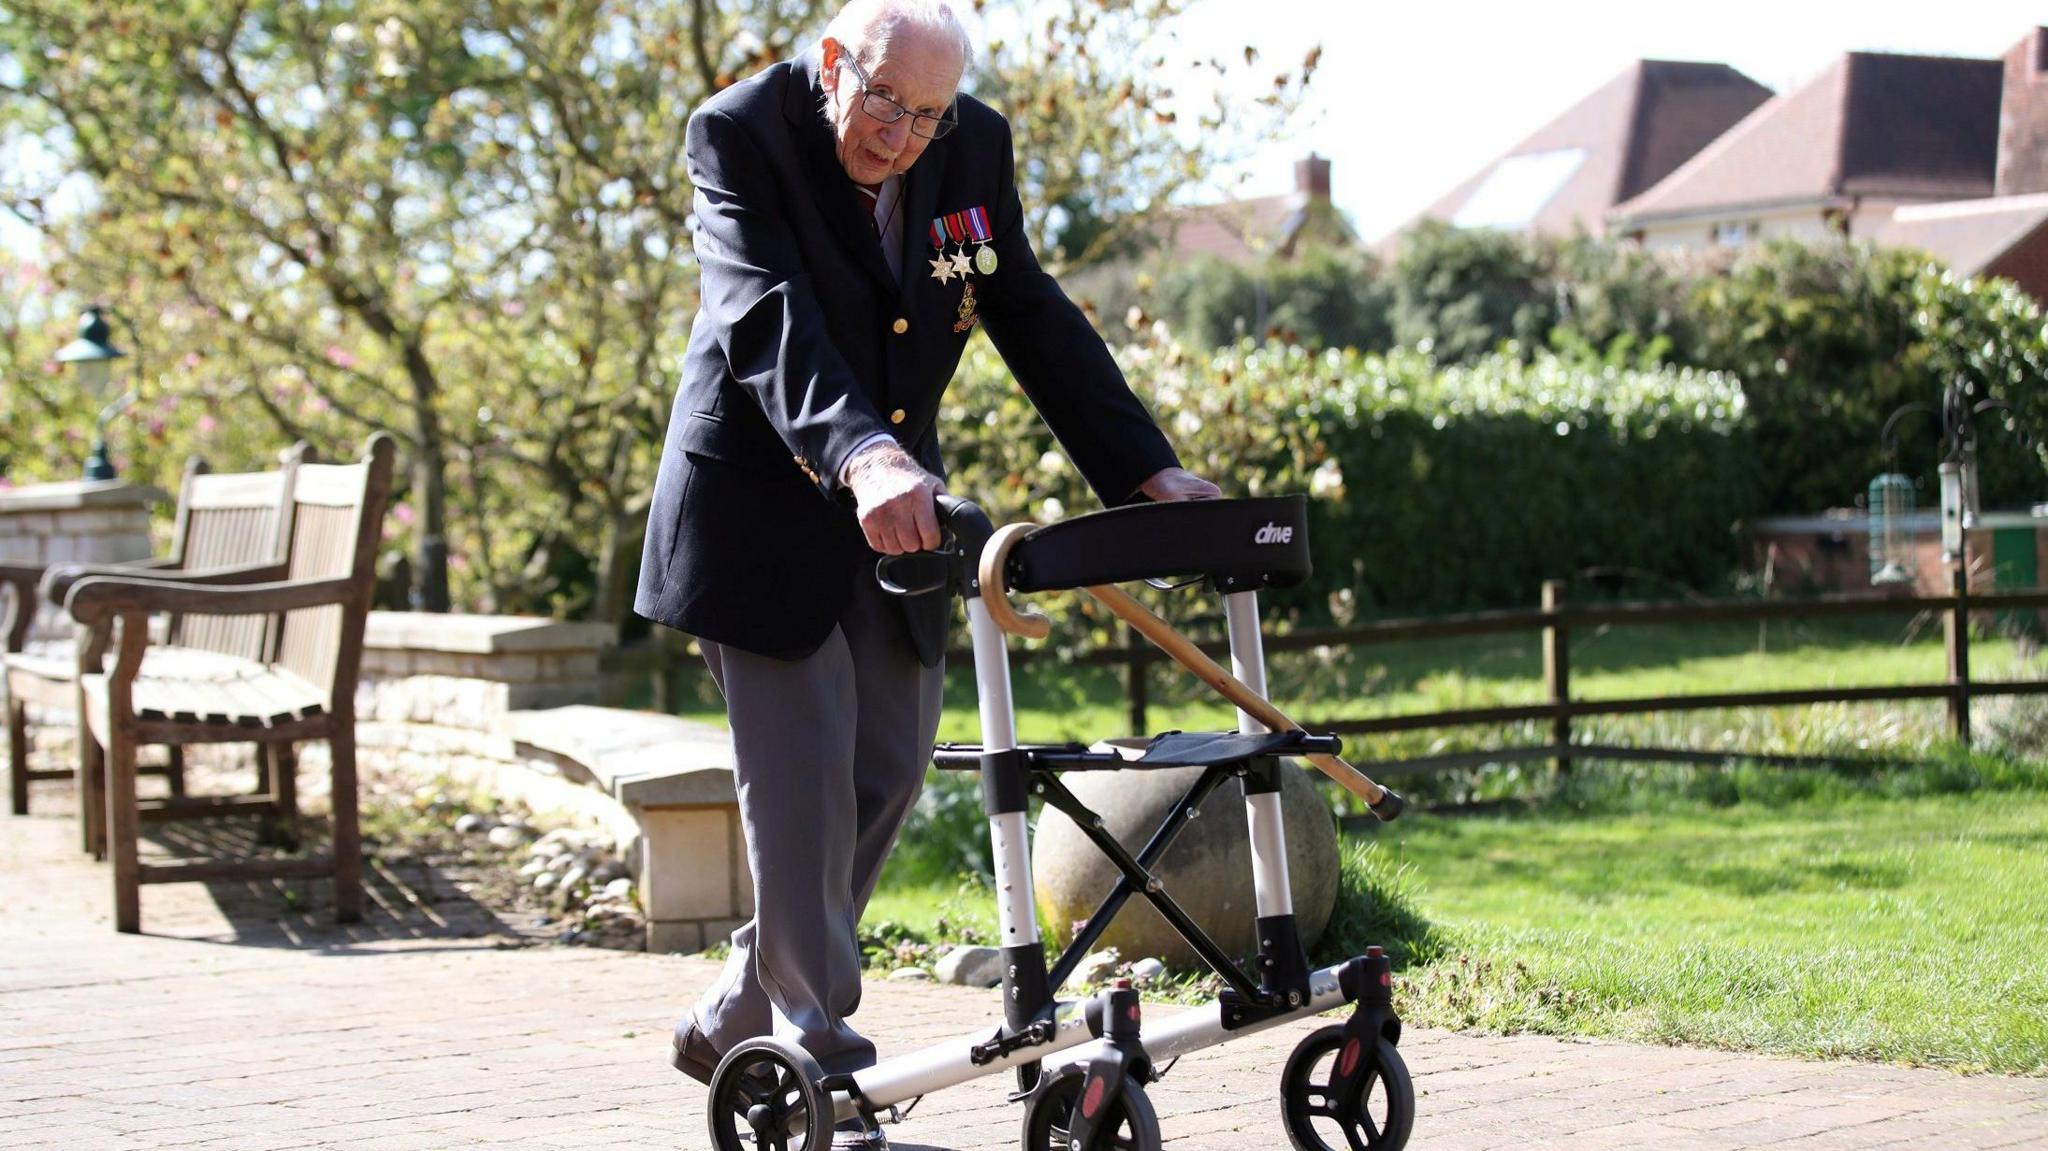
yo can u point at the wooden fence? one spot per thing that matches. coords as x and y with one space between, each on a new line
1556 620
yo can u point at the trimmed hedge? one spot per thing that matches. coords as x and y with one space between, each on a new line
1434 488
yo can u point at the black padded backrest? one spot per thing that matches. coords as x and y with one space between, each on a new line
1238 545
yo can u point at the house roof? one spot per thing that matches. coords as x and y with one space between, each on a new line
1238 230
1622 138
1871 125
1967 235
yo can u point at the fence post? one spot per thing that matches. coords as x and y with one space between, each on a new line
1137 690
1557 671
1956 637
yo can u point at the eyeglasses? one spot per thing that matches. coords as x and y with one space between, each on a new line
889 111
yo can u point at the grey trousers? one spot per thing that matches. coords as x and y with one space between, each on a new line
829 753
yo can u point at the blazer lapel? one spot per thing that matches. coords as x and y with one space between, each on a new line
920 202
831 187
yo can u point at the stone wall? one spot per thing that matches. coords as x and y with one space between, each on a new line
506 703
470 671
82 521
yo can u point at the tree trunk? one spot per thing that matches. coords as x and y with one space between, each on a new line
429 489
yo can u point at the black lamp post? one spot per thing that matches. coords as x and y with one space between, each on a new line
92 357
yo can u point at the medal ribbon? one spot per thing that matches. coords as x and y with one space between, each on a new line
960 227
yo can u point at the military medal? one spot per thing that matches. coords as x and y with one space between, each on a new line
966 313
961 228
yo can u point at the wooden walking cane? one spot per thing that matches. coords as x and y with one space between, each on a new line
1034 625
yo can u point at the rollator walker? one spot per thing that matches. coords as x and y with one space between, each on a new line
1082 1065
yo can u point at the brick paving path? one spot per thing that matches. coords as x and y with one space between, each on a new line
245 1022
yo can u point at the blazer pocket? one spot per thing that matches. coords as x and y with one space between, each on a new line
707 435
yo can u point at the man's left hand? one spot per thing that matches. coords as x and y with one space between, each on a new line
1170 484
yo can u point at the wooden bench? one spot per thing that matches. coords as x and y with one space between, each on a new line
229 528
300 686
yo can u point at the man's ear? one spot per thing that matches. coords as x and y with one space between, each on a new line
828 72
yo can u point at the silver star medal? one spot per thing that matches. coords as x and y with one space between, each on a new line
944 269
961 264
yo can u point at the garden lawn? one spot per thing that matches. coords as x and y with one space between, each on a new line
1869 927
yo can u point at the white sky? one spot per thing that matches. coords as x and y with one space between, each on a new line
1413 97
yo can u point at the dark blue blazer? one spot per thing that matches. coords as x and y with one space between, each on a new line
804 345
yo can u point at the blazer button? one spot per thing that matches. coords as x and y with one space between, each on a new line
900 326
897 416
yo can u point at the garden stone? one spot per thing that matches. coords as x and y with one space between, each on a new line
573 877
619 889
507 836
471 823
532 867
1207 870
544 881
608 872
1146 970
971 967
1093 968
910 975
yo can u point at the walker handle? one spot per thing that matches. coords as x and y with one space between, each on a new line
995 594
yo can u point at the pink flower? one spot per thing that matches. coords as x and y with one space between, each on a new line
192 360
340 357
318 404
403 513
207 424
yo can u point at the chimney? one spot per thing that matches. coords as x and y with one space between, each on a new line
1312 177
2023 118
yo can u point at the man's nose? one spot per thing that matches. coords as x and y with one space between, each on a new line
897 134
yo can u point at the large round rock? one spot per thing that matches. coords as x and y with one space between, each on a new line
1208 870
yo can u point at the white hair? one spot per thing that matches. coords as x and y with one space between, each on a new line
865 27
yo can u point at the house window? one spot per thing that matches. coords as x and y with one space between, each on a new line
1732 233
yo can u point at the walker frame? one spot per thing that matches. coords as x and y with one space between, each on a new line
1070 1055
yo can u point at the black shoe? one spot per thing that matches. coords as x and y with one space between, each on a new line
693 1054
855 1137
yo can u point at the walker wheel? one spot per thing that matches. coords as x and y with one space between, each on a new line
765 1097
1377 1116
1132 1125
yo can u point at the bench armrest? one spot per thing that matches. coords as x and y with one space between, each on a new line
18 581
99 598
58 580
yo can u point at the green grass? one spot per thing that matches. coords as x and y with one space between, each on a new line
1864 926
1897 915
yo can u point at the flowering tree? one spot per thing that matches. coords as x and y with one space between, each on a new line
465 221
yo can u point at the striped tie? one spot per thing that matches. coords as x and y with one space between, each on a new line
871 196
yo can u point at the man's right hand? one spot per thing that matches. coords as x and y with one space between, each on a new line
895 500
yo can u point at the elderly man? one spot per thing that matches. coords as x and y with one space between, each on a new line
856 220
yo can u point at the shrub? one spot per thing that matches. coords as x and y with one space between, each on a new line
1461 293
1433 488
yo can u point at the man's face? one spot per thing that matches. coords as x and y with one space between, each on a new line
914 69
